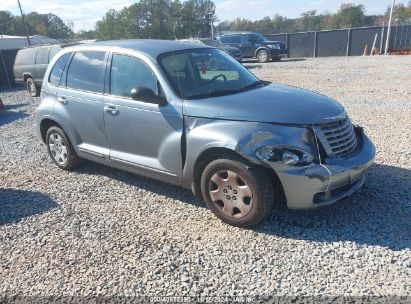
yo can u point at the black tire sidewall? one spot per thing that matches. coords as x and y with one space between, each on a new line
258 210
72 159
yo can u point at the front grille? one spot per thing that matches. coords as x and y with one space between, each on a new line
338 138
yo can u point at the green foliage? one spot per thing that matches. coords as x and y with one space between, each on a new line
349 15
175 19
402 14
161 19
42 24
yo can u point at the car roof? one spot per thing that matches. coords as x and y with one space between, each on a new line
151 47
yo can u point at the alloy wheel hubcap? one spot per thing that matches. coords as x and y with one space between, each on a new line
58 149
230 194
263 56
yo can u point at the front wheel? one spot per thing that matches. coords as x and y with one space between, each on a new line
237 194
263 56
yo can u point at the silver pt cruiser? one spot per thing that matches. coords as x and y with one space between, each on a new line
192 116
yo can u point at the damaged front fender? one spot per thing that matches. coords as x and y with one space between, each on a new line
241 137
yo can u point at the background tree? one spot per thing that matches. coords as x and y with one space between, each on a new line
351 15
38 24
176 19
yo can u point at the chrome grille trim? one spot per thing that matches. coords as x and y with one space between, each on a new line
338 138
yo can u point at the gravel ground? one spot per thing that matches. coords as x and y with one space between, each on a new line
100 231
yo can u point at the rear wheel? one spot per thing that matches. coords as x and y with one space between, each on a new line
263 56
236 193
32 87
60 149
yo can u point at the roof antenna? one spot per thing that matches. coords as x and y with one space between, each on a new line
24 23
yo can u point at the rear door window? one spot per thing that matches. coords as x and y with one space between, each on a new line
58 68
86 71
245 39
43 55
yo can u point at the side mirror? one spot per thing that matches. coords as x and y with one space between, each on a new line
147 95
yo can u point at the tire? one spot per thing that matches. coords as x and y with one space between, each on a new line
60 149
32 88
263 56
238 194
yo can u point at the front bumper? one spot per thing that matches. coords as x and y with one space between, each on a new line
323 184
237 56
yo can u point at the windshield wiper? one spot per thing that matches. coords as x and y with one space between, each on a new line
256 84
211 93
207 94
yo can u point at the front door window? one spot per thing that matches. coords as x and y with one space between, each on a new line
128 73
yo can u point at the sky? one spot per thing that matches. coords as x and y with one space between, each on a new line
85 13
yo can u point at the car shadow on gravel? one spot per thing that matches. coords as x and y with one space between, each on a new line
18 204
142 182
378 215
15 106
9 117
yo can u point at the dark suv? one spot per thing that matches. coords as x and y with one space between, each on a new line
31 65
254 45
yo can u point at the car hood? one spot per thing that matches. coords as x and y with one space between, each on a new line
228 48
274 103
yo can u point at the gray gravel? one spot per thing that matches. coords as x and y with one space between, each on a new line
100 231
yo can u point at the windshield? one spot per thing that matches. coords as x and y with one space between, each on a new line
203 73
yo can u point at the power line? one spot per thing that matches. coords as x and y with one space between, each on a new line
24 23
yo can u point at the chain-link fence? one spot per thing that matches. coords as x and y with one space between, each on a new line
346 42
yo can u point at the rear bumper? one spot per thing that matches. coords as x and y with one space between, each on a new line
319 185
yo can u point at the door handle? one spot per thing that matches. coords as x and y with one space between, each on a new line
62 99
111 109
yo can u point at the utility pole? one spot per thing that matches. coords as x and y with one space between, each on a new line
387 43
24 22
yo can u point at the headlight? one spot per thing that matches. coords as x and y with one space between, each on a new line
286 155
273 46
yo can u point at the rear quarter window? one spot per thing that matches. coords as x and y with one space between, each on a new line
58 68
26 56
53 51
